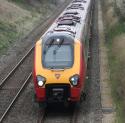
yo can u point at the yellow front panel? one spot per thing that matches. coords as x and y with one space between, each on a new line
64 75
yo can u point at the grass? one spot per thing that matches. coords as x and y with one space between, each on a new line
11 31
115 30
117 71
8 34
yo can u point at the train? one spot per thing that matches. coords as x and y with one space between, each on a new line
61 55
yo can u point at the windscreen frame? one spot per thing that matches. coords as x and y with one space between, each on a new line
67 40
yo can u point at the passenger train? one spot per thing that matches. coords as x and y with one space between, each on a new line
61 55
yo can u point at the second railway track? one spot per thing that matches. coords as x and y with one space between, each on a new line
12 85
15 98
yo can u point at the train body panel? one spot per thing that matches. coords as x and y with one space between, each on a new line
64 74
60 59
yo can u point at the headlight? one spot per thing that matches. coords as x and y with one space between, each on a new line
74 80
41 80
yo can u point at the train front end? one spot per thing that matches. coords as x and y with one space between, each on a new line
59 69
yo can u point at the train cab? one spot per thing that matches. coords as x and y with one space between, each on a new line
58 68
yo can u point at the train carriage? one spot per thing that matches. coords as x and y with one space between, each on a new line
60 60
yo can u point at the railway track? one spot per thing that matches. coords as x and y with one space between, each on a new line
74 115
15 67
15 98
73 118
14 83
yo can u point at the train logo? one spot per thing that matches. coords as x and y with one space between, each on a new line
57 76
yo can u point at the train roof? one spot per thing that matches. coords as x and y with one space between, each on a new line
57 37
71 21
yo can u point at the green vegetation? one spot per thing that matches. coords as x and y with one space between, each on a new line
117 69
8 33
115 41
20 17
115 31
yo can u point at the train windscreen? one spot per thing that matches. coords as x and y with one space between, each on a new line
58 56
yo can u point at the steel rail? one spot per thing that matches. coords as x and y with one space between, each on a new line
75 114
42 115
15 98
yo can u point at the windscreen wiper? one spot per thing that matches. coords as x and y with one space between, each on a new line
58 46
49 45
